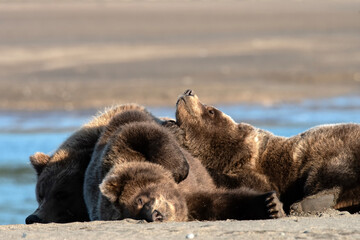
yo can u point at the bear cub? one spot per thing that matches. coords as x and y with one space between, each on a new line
238 154
139 171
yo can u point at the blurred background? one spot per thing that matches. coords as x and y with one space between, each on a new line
282 65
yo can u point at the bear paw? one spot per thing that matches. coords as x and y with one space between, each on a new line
274 206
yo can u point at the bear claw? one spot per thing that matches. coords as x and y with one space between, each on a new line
274 206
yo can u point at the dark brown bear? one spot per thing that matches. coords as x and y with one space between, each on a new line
133 136
238 154
140 169
59 188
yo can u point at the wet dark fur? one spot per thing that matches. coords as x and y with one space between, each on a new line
238 154
59 188
133 141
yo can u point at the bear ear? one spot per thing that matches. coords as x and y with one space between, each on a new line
39 161
110 188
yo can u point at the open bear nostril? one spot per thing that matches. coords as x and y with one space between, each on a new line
32 219
157 216
189 92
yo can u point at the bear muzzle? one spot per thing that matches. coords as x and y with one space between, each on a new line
33 219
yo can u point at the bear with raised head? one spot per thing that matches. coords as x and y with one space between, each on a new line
59 188
238 154
139 171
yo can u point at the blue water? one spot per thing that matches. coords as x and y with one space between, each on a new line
22 134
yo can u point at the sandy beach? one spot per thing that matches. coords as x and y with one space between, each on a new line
327 226
90 54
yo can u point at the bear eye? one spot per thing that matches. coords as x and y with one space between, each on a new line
211 111
40 197
140 202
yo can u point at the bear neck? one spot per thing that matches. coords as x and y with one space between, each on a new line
219 149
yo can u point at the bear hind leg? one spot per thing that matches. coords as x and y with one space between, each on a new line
338 172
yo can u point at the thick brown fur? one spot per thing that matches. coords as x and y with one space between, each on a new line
133 136
238 154
59 185
139 167
141 190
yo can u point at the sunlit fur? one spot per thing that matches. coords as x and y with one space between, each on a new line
129 164
238 154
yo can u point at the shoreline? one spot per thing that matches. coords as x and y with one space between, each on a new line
83 108
345 100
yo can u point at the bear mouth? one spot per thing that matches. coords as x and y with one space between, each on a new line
187 104
184 105
181 99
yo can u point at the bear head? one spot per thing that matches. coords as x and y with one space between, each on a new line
59 188
191 114
143 191
209 133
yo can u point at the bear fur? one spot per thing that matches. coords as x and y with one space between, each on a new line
140 190
139 171
60 176
133 136
238 154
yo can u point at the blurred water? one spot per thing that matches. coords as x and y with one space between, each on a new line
22 134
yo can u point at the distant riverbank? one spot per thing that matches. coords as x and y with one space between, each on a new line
57 55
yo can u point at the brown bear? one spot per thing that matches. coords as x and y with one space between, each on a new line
139 190
60 179
139 171
238 154
130 136
144 190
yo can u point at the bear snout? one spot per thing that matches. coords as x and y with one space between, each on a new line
156 216
33 219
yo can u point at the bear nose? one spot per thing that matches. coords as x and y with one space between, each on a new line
157 216
32 219
189 92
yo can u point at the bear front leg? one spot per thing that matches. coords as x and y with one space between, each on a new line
239 204
241 178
